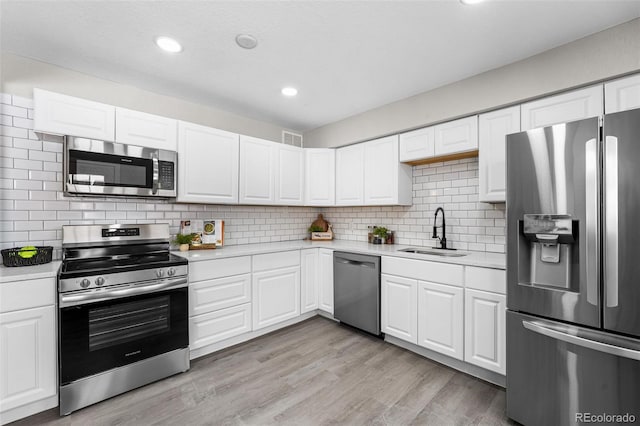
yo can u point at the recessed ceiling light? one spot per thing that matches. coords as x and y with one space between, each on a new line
246 41
289 91
471 1
168 44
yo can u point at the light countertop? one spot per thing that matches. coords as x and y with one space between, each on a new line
21 273
481 259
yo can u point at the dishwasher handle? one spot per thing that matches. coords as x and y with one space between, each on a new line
370 265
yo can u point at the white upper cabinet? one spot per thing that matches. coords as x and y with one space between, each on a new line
258 159
140 128
417 145
350 175
207 165
66 115
622 94
320 177
289 181
493 129
571 106
456 136
386 180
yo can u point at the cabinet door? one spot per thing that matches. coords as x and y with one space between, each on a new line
400 307
456 136
310 268
290 176
211 295
219 325
571 106
622 94
276 296
257 171
325 300
493 129
381 171
28 359
485 330
67 115
139 128
207 165
320 177
417 145
440 318
350 175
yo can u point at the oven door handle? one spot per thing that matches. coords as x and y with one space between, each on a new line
67 300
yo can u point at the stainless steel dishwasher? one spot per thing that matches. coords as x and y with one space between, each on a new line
356 290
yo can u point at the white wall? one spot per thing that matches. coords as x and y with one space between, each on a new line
601 56
19 75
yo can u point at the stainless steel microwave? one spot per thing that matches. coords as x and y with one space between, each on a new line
95 167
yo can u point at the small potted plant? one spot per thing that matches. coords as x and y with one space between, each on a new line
380 233
314 228
183 240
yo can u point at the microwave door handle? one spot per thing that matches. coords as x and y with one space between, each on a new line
156 172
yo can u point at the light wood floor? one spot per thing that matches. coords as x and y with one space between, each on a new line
315 372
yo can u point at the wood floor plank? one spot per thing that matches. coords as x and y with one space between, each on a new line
313 373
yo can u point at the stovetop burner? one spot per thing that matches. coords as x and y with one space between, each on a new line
111 265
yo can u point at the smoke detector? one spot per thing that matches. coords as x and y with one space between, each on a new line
246 41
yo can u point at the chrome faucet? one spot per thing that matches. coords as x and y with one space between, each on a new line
443 240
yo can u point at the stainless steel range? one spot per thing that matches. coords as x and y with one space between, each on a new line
123 311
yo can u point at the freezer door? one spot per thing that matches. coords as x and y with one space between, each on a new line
557 374
622 222
553 177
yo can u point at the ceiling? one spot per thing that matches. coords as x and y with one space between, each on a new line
345 57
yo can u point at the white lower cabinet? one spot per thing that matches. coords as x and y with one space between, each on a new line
275 288
219 325
325 280
440 318
399 307
219 301
485 340
28 361
309 271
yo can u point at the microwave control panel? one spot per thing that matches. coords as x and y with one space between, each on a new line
166 175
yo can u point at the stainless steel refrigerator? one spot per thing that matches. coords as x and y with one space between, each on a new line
573 272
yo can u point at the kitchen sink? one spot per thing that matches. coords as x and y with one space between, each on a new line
435 252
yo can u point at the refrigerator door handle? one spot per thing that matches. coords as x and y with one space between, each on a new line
568 335
591 219
611 221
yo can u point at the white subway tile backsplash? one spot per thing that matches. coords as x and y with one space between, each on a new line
27 144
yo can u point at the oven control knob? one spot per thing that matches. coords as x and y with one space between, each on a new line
85 283
99 281
171 272
160 273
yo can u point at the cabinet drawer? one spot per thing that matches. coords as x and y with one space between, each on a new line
219 325
487 279
27 294
211 295
270 261
423 270
211 269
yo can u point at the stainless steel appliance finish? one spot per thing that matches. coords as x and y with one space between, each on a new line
356 291
123 311
573 329
96 167
436 252
88 391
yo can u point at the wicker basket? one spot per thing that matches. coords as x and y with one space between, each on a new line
11 258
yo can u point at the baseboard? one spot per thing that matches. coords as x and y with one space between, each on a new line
28 410
473 370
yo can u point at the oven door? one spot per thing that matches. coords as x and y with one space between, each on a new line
101 335
99 167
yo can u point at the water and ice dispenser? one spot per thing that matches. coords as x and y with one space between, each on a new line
546 255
